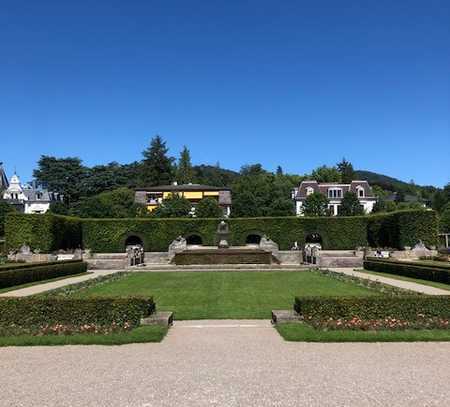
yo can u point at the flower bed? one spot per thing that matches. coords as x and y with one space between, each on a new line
374 313
61 315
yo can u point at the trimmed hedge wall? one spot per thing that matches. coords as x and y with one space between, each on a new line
403 228
109 235
17 274
35 314
52 232
45 232
380 311
430 272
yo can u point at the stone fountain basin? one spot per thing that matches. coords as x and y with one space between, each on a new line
232 255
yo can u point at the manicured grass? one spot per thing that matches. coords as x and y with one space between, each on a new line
18 287
220 295
305 333
139 335
413 280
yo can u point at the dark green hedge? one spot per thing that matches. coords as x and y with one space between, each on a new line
381 311
17 274
46 232
109 235
51 232
33 314
403 228
428 272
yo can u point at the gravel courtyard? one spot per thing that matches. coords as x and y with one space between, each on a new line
227 363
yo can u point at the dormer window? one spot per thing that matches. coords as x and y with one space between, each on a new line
309 191
334 193
360 191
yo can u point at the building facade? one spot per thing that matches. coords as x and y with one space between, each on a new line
28 198
152 197
335 193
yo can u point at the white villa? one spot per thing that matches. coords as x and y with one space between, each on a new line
334 192
27 198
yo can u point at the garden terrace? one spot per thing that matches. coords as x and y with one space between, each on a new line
52 232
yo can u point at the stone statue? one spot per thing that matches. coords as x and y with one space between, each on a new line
222 235
178 245
269 245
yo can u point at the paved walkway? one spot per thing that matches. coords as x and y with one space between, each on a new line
226 363
40 288
408 285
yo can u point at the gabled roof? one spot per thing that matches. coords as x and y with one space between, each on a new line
182 187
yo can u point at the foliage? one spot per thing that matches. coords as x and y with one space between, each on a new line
62 315
173 207
350 205
214 175
346 170
63 175
5 209
185 173
409 269
30 272
315 204
208 208
326 174
115 204
46 232
444 220
375 312
109 235
258 193
402 228
157 166
59 208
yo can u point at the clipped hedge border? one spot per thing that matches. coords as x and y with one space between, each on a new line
30 272
52 232
431 272
375 312
58 314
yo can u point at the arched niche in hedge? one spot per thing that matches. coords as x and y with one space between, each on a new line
314 238
253 238
194 239
133 239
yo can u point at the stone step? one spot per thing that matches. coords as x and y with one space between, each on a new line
219 267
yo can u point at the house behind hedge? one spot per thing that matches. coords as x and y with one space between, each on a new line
152 197
335 193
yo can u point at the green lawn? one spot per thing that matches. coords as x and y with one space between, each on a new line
138 335
306 333
413 280
220 295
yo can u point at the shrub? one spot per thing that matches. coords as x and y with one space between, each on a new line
403 228
208 208
17 274
52 232
37 315
46 232
430 272
381 312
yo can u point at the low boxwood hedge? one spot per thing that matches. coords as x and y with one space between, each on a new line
61 315
17 274
430 272
375 312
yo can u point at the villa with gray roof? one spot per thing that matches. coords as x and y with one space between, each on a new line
334 192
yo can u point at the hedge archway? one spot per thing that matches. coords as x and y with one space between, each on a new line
194 240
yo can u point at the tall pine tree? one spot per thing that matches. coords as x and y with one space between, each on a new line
185 173
157 166
346 170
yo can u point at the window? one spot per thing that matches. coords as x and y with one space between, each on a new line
309 191
360 192
334 193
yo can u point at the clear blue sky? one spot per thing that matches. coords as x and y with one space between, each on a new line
290 83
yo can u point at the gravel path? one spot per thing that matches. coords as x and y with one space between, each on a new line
40 288
227 363
408 285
